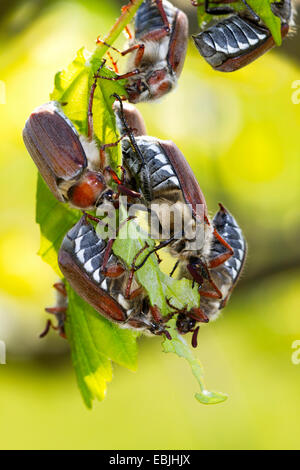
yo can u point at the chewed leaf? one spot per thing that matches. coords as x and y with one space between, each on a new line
179 346
262 8
95 342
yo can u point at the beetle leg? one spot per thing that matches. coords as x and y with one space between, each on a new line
47 329
174 268
198 277
226 10
61 288
123 177
195 3
217 10
140 52
198 314
195 337
139 47
155 312
154 250
129 33
132 271
49 325
122 189
129 131
210 295
159 320
113 62
112 144
159 260
220 259
60 313
56 310
255 15
162 12
168 301
120 77
214 295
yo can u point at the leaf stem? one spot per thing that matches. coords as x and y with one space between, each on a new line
128 12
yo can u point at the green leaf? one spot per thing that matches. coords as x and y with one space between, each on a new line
179 346
95 342
261 7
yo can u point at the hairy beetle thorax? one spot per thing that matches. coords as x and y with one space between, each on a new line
195 242
154 176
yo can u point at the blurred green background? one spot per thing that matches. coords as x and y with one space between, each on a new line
240 133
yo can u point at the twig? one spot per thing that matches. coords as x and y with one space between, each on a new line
128 12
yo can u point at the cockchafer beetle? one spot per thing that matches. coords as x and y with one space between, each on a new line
237 41
225 276
160 173
158 51
72 165
113 291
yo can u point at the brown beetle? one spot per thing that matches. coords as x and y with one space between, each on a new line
237 41
113 291
224 275
160 173
158 51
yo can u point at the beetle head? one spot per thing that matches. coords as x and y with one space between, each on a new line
184 323
87 191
